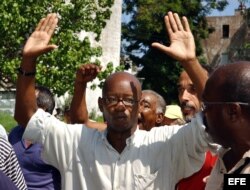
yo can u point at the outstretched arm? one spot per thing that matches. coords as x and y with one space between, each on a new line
182 48
78 108
36 45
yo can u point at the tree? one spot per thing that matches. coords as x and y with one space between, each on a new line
147 26
57 69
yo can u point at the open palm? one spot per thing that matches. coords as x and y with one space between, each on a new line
182 46
37 43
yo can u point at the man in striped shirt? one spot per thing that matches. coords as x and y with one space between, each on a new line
9 164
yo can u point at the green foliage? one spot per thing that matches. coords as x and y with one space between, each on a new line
109 69
7 121
57 69
95 117
147 26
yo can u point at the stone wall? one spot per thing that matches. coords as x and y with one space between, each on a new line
229 33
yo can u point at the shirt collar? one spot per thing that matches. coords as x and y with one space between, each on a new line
130 140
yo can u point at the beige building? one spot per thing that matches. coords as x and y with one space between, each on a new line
225 43
110 43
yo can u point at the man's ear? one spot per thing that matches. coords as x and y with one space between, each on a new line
234 111
159 118
100 104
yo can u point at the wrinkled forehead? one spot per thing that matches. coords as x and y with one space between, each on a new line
148 97
184 78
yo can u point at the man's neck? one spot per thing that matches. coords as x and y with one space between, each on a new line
118 139
233 156
27 143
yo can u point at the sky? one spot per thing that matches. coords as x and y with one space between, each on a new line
229 10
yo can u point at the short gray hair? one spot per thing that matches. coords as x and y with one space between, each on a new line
160 103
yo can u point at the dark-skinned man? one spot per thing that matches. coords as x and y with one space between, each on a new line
121 157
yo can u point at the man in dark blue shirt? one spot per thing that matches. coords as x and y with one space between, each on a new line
37 174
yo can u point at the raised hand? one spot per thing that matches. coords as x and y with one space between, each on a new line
38 42
78 108
182 46
87 72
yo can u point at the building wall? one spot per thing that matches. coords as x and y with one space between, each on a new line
7 101
216 47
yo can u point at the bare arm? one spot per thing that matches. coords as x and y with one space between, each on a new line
78 108
182 48
36 45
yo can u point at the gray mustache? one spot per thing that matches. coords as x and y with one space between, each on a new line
186 106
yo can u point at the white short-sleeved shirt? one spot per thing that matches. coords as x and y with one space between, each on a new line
157 159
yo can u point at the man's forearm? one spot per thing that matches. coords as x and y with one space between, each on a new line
78 108
25 94
36 45
197 74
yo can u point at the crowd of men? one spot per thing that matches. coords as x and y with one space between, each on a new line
137 146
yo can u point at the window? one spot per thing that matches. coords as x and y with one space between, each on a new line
225 31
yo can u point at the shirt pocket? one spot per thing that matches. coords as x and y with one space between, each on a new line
145 181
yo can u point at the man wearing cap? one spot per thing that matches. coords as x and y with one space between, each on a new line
173 116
